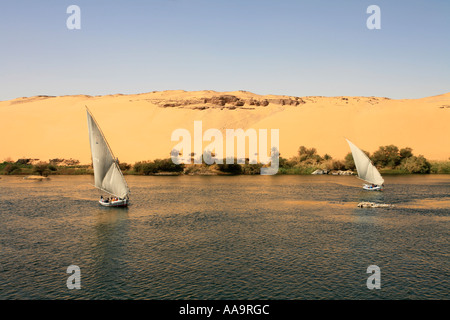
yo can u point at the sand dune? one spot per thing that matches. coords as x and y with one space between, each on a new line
139 127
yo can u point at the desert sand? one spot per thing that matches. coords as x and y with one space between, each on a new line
139 126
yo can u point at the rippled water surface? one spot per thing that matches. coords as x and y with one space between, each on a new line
242 237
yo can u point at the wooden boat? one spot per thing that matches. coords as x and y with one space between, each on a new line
107 175
366 170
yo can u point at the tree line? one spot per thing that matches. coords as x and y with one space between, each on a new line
389 159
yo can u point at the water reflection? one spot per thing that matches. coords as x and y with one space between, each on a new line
109 250
371 196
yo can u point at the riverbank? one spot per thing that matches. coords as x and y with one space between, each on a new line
437 167
388 159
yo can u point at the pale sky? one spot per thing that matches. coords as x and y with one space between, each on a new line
291 47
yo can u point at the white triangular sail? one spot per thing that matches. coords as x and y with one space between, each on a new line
107 174
366 170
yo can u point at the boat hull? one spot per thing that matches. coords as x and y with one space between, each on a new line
369 187
117 203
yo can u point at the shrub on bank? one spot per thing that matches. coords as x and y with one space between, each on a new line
232 168
42 169
387 156
442 167
415 164
308 155
12 168
156 166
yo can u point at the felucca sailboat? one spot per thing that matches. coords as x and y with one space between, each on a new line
366 170
107 174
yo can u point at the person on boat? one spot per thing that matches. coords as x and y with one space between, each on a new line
101 199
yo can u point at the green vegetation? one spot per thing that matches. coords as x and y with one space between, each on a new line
157 166
11 168
415 164
442 167
307 161
223 169
43 169
387 156
388 159
14 168
392 160
31 167
297 170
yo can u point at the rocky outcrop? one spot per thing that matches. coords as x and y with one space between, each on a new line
38 178
225 102
320 171
374 205
287 102
334 172
64 162
342 173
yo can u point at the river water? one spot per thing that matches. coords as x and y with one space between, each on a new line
239 237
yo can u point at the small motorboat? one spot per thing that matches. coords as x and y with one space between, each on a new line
373 187
114 202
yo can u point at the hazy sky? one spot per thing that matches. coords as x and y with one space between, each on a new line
288 47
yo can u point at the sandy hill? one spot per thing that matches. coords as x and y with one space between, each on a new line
139 126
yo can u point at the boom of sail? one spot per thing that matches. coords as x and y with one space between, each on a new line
366 170
107 174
